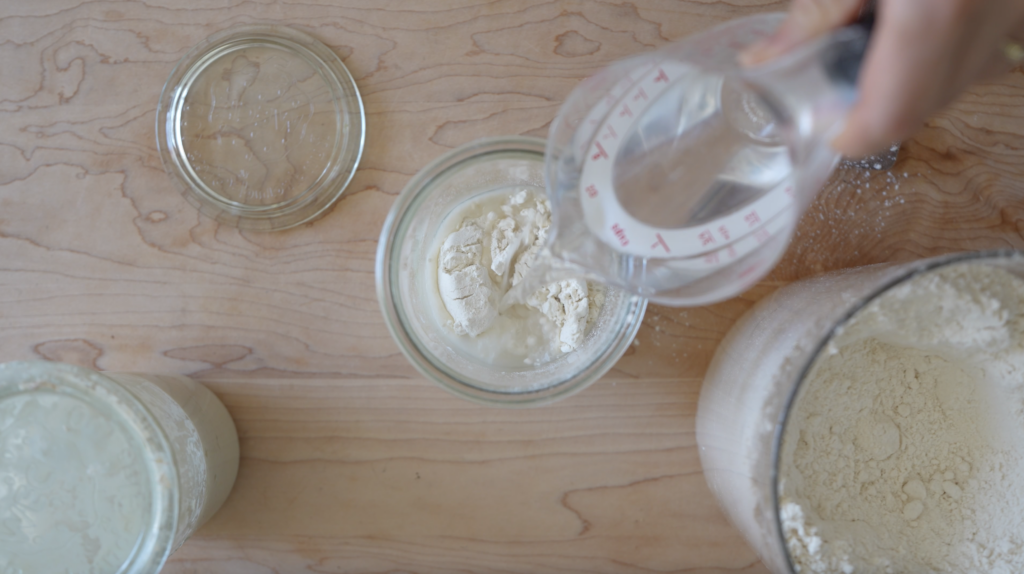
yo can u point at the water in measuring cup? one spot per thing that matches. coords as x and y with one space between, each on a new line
705 148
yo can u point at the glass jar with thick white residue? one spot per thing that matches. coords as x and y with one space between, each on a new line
106 472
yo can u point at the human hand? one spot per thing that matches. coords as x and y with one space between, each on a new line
922 55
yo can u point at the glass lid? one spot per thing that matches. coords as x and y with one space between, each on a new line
262 125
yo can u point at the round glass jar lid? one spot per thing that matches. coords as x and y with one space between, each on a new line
263 126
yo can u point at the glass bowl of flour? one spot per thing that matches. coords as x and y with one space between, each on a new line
872 420
464 231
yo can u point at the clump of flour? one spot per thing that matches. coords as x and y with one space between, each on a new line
493 247
904 451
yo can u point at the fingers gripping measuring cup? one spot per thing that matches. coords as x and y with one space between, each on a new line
679 175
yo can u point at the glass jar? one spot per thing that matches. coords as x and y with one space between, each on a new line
106 472
404 282
757 373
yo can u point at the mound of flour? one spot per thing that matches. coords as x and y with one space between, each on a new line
495 243
905 449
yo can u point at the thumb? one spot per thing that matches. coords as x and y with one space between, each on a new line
806 20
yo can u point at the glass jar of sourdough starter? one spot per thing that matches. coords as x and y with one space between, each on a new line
430 207
106 472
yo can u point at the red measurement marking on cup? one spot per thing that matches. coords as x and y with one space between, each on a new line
661 242
621 234
729 238
615 91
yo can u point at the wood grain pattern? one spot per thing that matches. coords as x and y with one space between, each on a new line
351 461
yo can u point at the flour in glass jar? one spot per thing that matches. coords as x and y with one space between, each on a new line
904 451
484 248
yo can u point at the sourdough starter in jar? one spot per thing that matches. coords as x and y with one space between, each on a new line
904 450
74 489
106 473
202 437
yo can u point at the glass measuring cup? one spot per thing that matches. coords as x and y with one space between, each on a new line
678 175
406 272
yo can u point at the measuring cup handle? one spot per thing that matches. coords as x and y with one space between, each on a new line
843 61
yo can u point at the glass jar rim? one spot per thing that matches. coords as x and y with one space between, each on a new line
136 421
387 261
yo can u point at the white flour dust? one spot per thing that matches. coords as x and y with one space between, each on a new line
905 450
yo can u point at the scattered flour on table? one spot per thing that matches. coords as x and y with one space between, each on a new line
905 449
497 240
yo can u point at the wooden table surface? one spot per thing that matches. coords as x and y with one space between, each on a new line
352 462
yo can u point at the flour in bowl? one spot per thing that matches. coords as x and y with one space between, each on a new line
904 451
